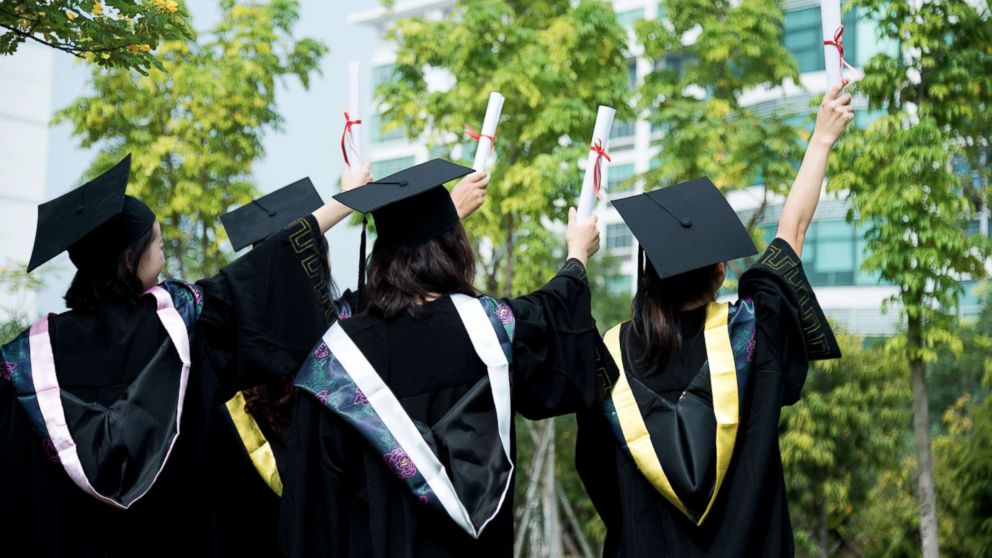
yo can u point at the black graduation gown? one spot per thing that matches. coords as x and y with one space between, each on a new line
248 507
340 498
260 317
750 516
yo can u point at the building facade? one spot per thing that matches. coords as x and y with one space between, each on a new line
833 249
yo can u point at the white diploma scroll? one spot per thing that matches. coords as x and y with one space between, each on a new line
830 21
488 132
353 144
600 137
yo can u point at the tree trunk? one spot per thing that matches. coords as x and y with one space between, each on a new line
549 499
822 530
925 490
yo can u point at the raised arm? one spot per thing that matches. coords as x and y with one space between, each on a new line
332 212
832 118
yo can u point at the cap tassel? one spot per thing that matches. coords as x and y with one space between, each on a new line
361 264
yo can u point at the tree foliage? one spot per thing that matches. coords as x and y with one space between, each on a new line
706 56
111 33
195 128
838 441
554 61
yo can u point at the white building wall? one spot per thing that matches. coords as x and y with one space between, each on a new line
25 112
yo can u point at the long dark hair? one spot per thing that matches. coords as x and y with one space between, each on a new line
401 277
113 280
655 309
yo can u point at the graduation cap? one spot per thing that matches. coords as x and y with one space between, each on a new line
685 227
410 207
269 214
93 222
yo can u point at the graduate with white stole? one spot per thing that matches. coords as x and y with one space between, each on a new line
681 459
402 442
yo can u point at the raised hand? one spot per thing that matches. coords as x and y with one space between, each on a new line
834 114
352 178
582 239
469 193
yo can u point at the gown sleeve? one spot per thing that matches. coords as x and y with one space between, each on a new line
556 365
788 315
263 312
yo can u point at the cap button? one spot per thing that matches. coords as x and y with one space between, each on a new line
685 222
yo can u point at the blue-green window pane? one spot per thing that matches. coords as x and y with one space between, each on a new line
632 74
618 284
622 129
804 38
834 229
383 74
387 167
618 175
376 134
661 10
618 236
850 23
629 17
834 255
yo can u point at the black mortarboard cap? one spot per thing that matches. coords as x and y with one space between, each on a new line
685 227
409 207
269 214
94 221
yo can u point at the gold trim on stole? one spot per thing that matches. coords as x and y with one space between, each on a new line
259 449
723 382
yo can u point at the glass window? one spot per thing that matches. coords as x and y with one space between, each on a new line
632 74
661 10
618 175
387 167
618 236
622 129
376 134
629 17
383 74
618 284
804 38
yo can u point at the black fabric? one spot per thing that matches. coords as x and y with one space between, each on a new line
750 516
261 316
340 498
269 214
685 227
69 218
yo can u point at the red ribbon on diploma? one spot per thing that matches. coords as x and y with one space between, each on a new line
838 42
347 138
597 173
478 137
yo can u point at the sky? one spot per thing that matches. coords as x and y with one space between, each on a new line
308 144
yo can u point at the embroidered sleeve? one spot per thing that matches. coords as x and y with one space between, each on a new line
311 251
781 264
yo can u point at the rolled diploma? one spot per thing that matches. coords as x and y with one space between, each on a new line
830 21
601 133
354 111
484 150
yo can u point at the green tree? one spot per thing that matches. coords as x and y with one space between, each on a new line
121 34
554 61
839 441
694 94
195 128
898 173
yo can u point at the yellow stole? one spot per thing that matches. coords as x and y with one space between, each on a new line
259 449
723 382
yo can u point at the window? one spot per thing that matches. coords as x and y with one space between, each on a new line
618 284
632 74
661 10
618 236
376 134
618 176
387 167
628 18
383 74
622 129
804 38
